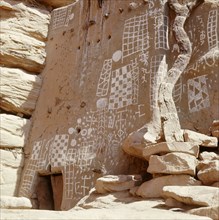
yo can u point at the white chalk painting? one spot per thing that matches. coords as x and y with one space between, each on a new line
96 137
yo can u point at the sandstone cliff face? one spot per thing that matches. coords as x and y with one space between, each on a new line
23 39
105 65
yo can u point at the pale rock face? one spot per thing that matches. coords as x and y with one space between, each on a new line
153 188
23 34
19 90
10 173
193 195
13 130
211 212
10 202
173 163
208 172
205 155
112 183
201 139
164 147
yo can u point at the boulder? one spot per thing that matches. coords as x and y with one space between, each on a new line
208 172
205 155
170 202
9 202
153 188
19 90
211 212
23 34
164 147
113 183
193 195
56 3
201 139
11 163
134 143
173 163
13 130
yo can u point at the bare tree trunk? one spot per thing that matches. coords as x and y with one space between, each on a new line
168 127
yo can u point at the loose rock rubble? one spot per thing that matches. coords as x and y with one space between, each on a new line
184 173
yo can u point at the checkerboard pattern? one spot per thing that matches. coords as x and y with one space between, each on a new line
59 150
121 89
36 150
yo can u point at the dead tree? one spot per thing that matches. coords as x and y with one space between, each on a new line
165 123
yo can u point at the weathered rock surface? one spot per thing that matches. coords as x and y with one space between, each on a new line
173 163
170 202
13 130
19 90
216 184
56 3
208 172
215 128
205 155
23 34
10 173
112 183
211 212
164 147
193 195
9 202
153 188
201 139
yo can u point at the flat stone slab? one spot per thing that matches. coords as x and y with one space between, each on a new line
153 188
193 195
173 163
165 147
115 183
10 202
201 139
208 172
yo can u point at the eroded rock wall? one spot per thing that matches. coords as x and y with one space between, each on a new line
106 61
24 29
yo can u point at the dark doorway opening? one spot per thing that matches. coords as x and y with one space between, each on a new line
49 191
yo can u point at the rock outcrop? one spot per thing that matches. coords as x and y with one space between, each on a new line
24 29
19 90
23 34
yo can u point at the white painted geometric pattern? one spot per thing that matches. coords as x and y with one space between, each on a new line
212 29
103 84
161 32
59 16
135 35
198 97
36 150
69 181
58 150
124 87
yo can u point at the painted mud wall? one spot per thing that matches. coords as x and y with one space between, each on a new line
104 66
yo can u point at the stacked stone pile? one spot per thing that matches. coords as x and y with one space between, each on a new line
184 173
24 31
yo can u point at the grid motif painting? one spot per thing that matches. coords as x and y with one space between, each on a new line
59 150
135 35
103 84
69 181
212 29
59 17
161 32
